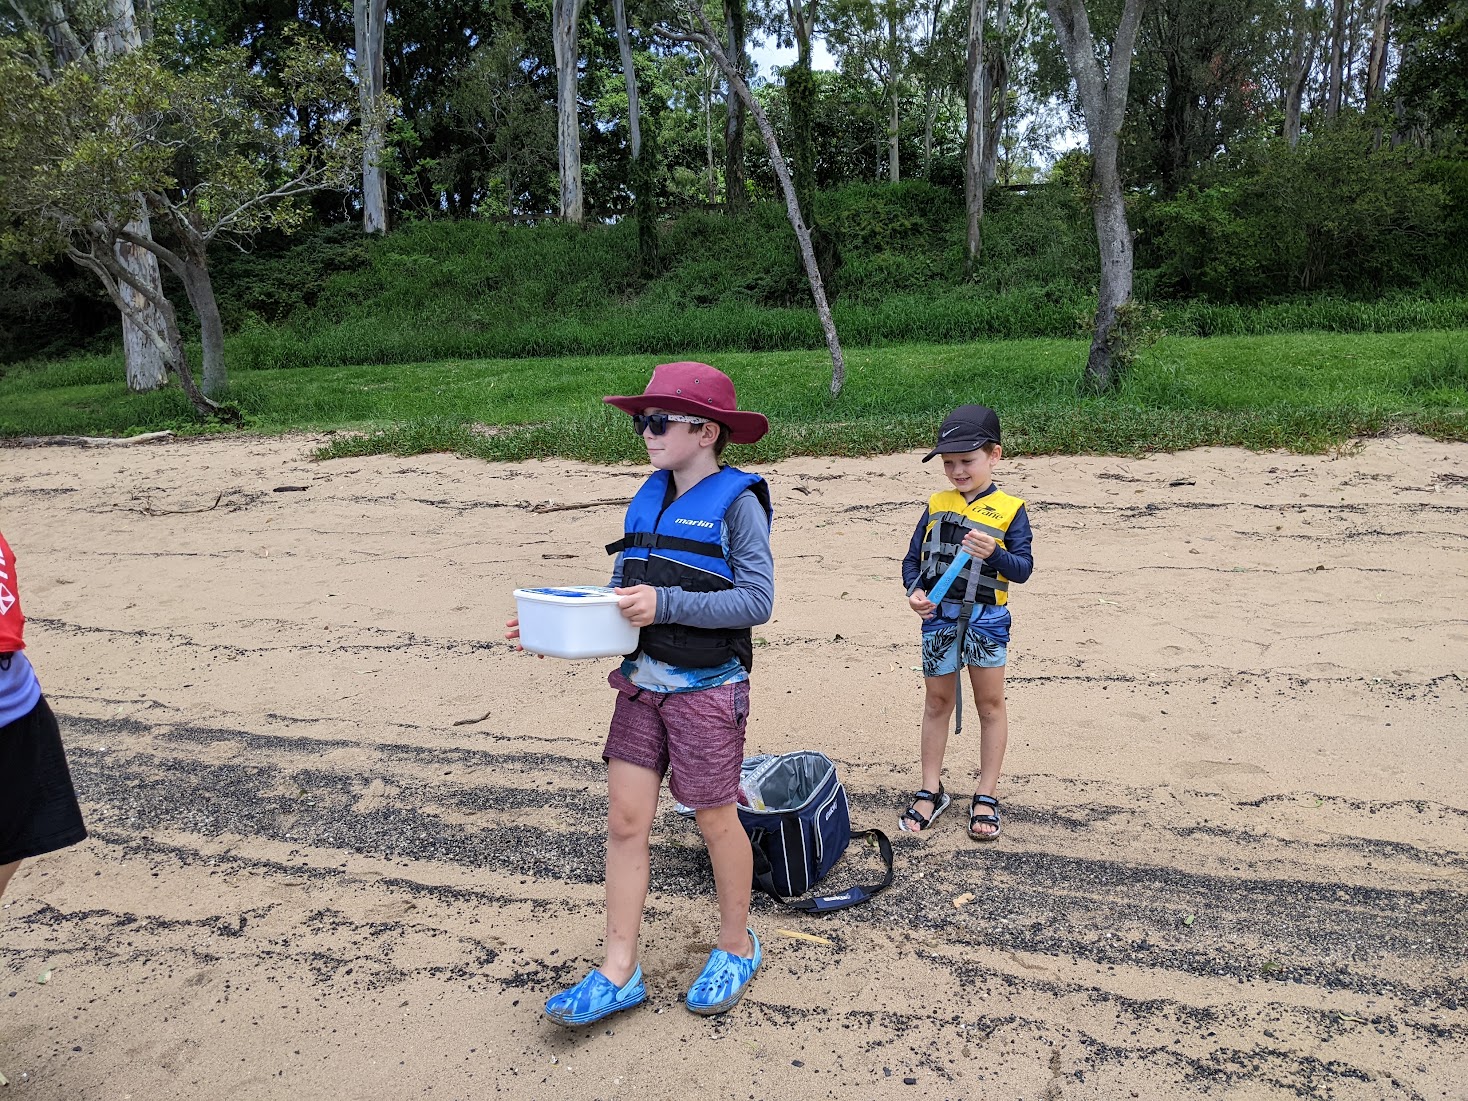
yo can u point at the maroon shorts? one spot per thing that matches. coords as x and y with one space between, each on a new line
696 738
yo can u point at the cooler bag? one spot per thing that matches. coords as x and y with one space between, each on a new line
794 809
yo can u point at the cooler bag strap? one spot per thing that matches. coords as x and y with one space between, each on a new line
824 904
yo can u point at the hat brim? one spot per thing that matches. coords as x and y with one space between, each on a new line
958 447
744 426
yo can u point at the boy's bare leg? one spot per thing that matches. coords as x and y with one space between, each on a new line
633 798
937 713
6 871
733 862
988 685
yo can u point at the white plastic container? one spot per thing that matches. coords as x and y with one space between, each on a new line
574 621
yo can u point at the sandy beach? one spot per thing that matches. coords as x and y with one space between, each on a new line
346 839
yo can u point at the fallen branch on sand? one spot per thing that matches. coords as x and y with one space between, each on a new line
551 506
85 441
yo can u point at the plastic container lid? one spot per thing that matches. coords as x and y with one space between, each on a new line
569 594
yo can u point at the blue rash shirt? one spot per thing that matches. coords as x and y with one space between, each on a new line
1014 560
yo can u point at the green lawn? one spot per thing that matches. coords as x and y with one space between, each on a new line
1304 391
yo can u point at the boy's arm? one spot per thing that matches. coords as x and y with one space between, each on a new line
912 562
616 572
752 598
1014 559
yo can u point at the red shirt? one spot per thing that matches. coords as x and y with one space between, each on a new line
12 622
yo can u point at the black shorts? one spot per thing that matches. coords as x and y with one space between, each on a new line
38 810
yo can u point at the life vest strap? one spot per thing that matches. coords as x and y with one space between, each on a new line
651 540
963 521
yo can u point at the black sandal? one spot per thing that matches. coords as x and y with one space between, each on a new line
940 804
977 819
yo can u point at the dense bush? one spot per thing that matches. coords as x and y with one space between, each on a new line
1332 215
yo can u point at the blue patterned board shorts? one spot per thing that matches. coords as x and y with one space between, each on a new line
940 655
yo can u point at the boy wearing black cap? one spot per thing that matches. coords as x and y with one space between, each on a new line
969 624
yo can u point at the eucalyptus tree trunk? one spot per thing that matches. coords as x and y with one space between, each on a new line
641 178
996 90
566 17
101 260
142 359
1302 53
1337 57
894 141
708 133
369 18
1103 96
800 93
709 41
975 138
190 262
1376 63
736 193
629 75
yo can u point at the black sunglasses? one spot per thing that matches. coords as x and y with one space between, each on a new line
659 422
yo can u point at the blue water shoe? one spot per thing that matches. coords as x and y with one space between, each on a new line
594 998
723 980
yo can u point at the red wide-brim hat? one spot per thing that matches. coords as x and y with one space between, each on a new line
701 391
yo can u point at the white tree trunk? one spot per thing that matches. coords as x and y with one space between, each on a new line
142 358
1103 96
566 20
369 18
1376 64
974 140
996 91
629 74
144 362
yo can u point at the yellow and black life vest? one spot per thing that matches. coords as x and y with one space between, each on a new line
950 517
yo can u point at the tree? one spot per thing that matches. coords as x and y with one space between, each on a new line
697 30
875 39
212 149
1304 30
642 184
117 32
1103 97
369 18
566 21
736 196
794 23
1432 84
975 138
497 105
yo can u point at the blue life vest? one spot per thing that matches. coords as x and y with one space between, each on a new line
676 542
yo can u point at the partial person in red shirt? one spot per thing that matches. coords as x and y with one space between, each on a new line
38 807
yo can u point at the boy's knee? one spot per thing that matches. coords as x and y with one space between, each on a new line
990 706
627 824
938 701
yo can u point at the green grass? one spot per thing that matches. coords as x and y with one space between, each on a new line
1304 392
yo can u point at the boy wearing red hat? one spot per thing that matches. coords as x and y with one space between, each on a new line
694 571
38 808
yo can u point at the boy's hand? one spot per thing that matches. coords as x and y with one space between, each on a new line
639 604
513 634
920 603
979 545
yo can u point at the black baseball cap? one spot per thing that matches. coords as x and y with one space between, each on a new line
967 428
